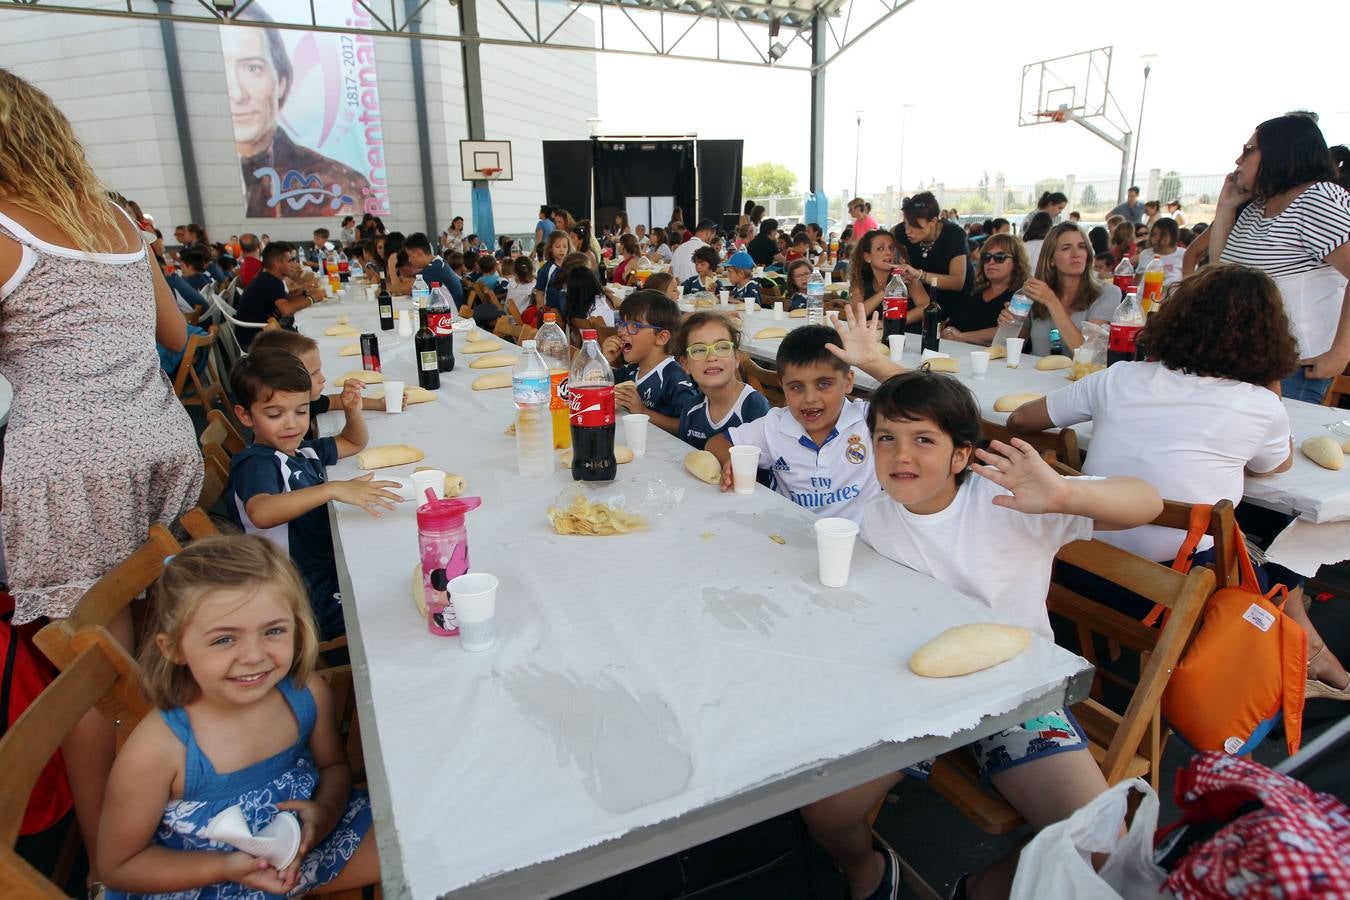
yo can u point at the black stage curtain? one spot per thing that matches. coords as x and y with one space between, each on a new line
567 176
643 169
719 179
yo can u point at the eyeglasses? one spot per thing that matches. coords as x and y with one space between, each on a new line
715 350
1248 150
996 257
631 328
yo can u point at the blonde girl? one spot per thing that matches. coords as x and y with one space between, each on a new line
230 666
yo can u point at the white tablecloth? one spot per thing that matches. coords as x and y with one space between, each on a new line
640 684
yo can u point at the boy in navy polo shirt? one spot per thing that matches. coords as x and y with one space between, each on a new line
277 484
651 382
705 264
740 269
818 447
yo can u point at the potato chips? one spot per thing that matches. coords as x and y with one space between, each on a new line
584 516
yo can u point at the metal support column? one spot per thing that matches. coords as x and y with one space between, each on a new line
481 196
411 8
196 212
817 204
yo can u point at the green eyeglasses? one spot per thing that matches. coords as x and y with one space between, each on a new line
716 350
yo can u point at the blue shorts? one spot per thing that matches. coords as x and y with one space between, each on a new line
1055 732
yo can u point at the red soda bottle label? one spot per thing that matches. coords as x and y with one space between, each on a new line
591 407
1121 338
441 323
895 307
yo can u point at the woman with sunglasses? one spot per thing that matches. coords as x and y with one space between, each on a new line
1296 230
1002 271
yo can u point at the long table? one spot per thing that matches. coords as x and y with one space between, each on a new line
647 692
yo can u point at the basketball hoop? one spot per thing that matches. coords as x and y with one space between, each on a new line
1054 115
490 172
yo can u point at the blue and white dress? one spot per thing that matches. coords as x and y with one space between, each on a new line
289 775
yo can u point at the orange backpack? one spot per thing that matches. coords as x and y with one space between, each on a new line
1246 665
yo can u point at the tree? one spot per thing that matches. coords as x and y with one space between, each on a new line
1089 198
767 179
1170 186
984 186
1046 184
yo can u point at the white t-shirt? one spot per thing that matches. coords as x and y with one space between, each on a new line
834 479
521 293
1189 436
682 259
996 555
1291 248
600 307
1171 264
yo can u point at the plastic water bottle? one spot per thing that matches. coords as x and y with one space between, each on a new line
534 430
1020 308
421 294
815 298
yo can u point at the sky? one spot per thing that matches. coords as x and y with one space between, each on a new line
959 62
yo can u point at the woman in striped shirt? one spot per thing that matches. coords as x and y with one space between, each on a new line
1297 230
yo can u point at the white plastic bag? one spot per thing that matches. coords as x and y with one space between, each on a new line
1058 861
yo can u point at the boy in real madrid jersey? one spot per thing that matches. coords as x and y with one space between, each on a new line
818 447
651 382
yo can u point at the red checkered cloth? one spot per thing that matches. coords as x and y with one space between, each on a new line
1297 845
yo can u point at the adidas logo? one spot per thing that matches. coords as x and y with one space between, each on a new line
781 465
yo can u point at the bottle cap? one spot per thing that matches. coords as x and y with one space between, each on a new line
550 316
588 334
435 284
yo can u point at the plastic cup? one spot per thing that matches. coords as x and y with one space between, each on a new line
779 312
635 432
1014 352
372 291
744 468
979 363
749 305
393 396
835 538
897 342
404 323
475 599
428 478
724 297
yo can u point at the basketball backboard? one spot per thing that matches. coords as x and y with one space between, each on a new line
1078 83
485 160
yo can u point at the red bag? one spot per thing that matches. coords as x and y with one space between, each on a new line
1246 666
24 675
531 316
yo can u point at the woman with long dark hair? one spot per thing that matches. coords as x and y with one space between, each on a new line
937 252
1297 230
874 260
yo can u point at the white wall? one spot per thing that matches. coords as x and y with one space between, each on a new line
108 76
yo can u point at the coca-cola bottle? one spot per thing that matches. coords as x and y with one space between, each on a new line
894 306
1125 326
1123 277
441 321
590 401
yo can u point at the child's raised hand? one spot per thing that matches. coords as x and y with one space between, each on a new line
862 339
351 395
1036 488
372 496
258 874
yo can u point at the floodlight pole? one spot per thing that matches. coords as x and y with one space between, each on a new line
857 150
1139 129
817 207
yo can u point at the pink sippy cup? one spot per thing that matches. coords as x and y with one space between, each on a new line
443 545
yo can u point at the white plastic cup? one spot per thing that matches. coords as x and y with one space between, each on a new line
1014 352
404 323
635 432
749 305
744 468
897 342
724 297
779 312
428 478
372 291
835 538
474 597
979 363
393 396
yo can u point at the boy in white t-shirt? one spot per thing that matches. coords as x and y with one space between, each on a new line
1008 523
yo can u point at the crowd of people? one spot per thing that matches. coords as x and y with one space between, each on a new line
1256 307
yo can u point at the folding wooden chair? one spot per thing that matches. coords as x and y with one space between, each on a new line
197 521
1114 739
221 432
98 675
1339 390
198 382
766 381
1063 443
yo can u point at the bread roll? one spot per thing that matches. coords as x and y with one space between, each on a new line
454 484
703 466
797 313
363 375
495 361
350 350
388 455
968 648
943 364
998 351
473 335
1053 363
342 319
769 334
1325 451
340 330
492 382
1009 402
621 455
416 394
473 347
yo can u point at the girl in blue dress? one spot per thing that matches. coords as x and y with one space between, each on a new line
243 720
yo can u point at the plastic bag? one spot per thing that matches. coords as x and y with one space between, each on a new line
616 507
1058 861
1091 354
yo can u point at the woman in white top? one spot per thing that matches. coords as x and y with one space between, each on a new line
1197 419
1297 230
1065 292
1162 243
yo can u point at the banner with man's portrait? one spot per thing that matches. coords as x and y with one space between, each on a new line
305 108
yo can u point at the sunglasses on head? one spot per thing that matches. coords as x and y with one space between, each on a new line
997 257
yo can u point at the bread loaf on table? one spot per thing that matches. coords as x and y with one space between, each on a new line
388 455
1010 402
968 648
703 466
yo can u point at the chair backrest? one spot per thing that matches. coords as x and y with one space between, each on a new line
216 478
1184 596
198 381
1063 443
92 675
766 381
220 431
514 312
1339 390
108 596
